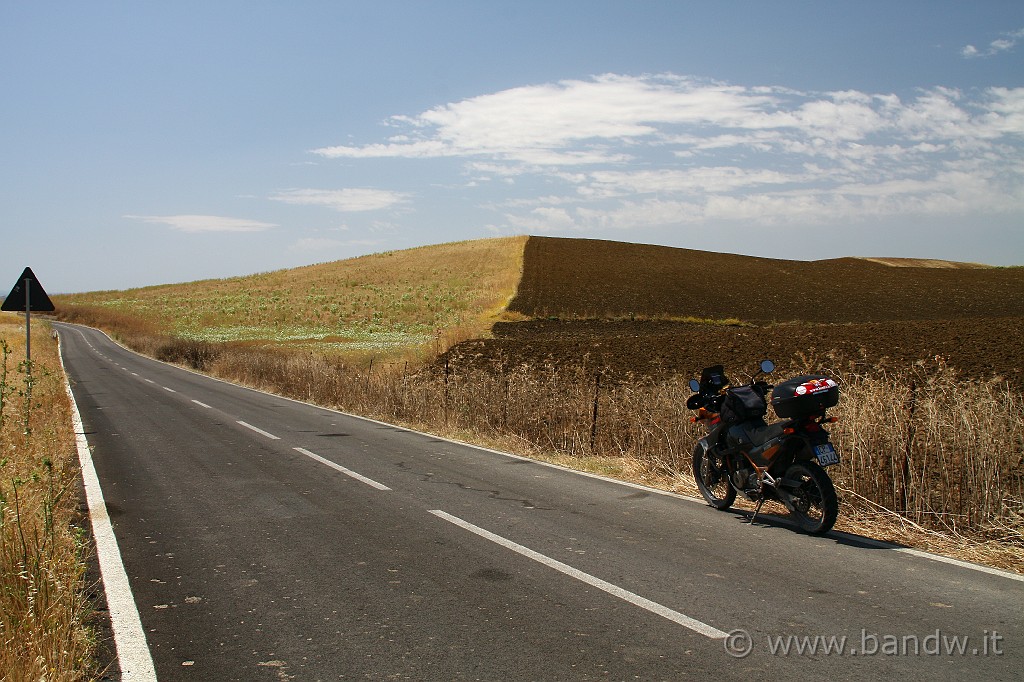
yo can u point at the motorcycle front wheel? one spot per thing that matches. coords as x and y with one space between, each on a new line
813 498
712 477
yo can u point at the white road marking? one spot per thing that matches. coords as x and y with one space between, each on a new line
202 404
169 390
259 431
150 381
635 599
348 472
133 656
934 557
653 491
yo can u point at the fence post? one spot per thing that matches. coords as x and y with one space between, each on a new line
447 373
593 420
504 404
908 451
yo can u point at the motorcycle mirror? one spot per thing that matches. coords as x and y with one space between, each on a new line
694 385
694 402
767 366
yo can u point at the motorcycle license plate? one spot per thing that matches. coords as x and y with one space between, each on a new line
826 454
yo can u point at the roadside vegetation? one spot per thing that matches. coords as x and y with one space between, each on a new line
918 468
395 306
931 458
44 609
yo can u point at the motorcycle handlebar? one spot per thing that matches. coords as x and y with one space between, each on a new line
699 400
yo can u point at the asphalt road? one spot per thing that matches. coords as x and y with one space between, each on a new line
268 539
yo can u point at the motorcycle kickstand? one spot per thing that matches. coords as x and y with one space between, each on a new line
757 510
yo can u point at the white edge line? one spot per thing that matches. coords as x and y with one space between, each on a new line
654 491
133 656
926 555
259 431
348 472
614 590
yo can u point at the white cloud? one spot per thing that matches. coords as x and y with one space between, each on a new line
995 47
205 223
612 119
1006 112
620 152
344 200
553 218
705 180
399 148
839 118
538 124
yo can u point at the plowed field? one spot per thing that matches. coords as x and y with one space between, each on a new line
605 305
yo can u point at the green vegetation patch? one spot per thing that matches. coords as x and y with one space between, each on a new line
339 338
382 302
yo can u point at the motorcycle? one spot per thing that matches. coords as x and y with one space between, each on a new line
784 461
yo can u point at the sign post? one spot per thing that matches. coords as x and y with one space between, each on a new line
28 295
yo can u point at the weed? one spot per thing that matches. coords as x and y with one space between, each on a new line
952 464
44 614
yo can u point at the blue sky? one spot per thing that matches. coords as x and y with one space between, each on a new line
147 143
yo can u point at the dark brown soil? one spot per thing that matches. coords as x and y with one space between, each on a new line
977 348
589 300
572 278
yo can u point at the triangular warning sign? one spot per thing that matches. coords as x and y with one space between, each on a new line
28 294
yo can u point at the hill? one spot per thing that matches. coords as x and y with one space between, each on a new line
578 278
381 303
632 308
651 311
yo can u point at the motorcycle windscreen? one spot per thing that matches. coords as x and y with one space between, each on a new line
713 379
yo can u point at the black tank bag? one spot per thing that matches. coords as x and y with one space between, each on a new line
742 403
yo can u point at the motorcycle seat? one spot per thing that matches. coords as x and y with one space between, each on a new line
755 432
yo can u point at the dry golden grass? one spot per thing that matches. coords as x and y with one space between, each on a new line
933 478
927 456
44 633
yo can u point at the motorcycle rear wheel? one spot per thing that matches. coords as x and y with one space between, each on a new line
815 501
712 478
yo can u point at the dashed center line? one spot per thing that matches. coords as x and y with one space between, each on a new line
635 599
259 431
348 472
169 390
201 404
